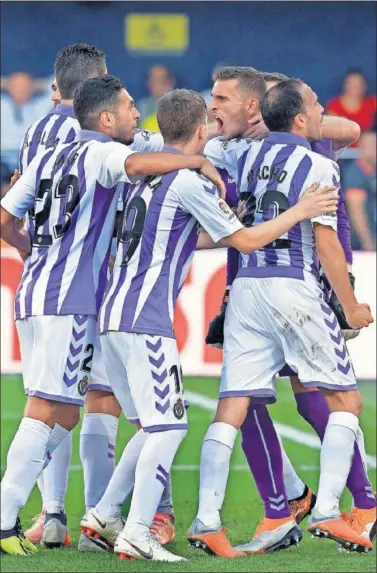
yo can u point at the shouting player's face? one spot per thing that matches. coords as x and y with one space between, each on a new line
230 107
313 114
126 117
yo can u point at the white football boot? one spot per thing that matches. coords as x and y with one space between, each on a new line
99 533
149 550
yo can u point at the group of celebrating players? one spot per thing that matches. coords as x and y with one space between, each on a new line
95 315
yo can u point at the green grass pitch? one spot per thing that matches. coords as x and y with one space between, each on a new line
242 510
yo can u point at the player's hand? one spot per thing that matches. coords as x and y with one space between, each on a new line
15 177
209 170
335 305
359 316
257 129
241 210
318 201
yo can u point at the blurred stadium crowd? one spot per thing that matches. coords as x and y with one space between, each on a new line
24 99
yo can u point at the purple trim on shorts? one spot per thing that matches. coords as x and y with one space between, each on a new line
340 387
273 271
133 420
56 398
165 428
262 396
100 387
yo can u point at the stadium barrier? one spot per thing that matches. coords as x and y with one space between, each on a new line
198 303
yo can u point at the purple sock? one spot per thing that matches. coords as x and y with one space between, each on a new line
312 406
262 450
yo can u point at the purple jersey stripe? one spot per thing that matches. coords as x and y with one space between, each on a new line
156 307
37 136
271 256
146 249
52 138
102 201
129 193
296 255
71 135
54 281
186 253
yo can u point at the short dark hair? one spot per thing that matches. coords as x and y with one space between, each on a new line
249 79
179 114
94 96
76 63
274 77
281 104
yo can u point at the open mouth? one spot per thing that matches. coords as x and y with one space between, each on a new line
220 124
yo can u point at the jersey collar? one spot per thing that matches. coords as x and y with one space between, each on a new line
65 109
89 135
171 149
288 139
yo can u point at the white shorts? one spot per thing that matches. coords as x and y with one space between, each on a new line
145 373
57 354
275 321
98 378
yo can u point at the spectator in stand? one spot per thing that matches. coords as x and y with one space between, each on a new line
160 81
19 109
359 180
354 102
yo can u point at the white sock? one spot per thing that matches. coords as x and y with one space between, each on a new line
166 502
214 469
97 452
41 487
336 458
24 464
123 478
294 486
55 475
152 470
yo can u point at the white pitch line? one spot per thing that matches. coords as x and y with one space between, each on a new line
285 431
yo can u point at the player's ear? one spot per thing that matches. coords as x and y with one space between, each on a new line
300 120
106 118
253 106
203 132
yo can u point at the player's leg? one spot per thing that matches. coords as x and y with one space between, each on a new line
313 407
264 454
246 349
52 411
315 349
158 399
145 360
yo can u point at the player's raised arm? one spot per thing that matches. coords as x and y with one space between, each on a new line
340 130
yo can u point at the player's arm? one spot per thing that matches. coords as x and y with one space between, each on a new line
312 203
332 259
14 205
340 130
118 163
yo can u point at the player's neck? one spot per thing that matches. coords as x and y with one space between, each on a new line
189 148
67 102
299 133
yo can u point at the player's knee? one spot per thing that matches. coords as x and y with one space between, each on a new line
345 401
101 402
232 410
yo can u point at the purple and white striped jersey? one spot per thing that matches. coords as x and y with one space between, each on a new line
59 126
156 244
74 189
274 174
